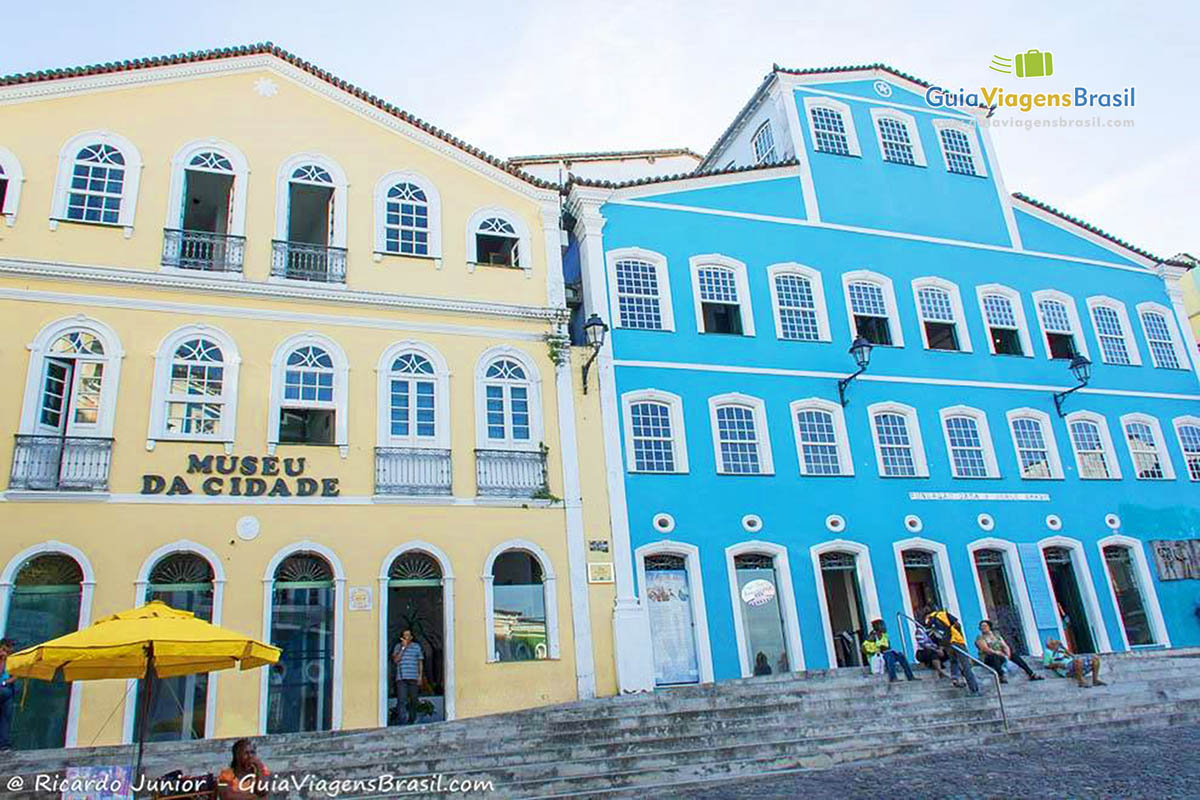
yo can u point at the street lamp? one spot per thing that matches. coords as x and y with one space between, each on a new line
861 352
594 330
1081 368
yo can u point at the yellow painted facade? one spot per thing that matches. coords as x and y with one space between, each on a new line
1191 299
88 277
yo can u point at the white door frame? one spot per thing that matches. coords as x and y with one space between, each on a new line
1087 589
787 603
1016 586
1145 583
866 585
941 570
691 556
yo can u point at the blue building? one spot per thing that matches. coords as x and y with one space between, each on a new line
759 522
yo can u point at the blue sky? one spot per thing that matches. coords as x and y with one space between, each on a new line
519 78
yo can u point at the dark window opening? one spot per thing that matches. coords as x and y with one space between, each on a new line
874 329
941 335
306 426
722 318
1006 342
1062 345
498 250
3 191
206 201
308 213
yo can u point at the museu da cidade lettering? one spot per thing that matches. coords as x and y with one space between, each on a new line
242 476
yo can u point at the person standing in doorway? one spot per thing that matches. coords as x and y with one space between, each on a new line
8 691
946 632
410 674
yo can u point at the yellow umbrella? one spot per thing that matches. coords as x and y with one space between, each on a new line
152 641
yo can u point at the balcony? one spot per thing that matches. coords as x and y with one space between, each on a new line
203 251
61 463
511 473
300 261
412 471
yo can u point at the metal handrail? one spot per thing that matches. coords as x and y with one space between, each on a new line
901 616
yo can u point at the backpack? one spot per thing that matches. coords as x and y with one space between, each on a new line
941 628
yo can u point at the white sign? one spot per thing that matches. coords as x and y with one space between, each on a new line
360 598
1002 496
758 592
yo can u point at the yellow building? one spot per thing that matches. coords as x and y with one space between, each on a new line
282 354
1190 283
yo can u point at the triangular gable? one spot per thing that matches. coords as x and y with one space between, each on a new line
777 197
1045 229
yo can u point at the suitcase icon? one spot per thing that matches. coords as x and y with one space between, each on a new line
1034 64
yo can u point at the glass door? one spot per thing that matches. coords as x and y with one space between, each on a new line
1130 601
672 626
762 614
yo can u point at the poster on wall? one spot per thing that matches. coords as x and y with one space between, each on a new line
1177 559
669 602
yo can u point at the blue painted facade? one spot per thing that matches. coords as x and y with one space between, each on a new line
904 222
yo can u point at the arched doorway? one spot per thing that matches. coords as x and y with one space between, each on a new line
178 706
519 608
1068 597
668 592
921 580
302 625
844 606
415 601
999 597
45 604
1131 602
764 636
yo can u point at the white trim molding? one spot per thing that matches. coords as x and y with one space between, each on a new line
691 556
1168 317
766 463
240 174
533 382
433 204
956 305
438 555
341 379
964 127
1106 442
39 350
674 404
880 113
812 102
1145 579
941 571
339 200
10 171
1016 586
524 240
129 187
1068 303
786 598
1053 459
441 397
1160 445
741 285
550 596
1014 299
666 311
889 299
916 443
865 575
1118 308
842 443
1188 420
1087 589
816 287
164 359
984 432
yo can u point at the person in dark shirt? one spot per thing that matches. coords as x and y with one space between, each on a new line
761 667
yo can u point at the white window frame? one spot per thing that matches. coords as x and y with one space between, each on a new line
674 405
129 187
240 173
533 377
769 156
1145 578
524 240
766 463
691 557
956 305
1177 345
441 400
1177 423
16 178
972 136
1081 345
786 597
283 181
1160 445
985 440
879 113
1014 298
433 202
835 410
864 574
1054 460
549 590
1110 452
1098 301
341 390
889 298
696 263
811 102
113 356
163 361
813 277
917 443
666 310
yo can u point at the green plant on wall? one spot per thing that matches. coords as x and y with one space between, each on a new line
558 345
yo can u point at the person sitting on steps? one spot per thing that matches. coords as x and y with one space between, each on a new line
946 632
877 644
1058 658
928 653
761 665
994 651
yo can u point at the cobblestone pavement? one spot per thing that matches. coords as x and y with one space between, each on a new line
1157 763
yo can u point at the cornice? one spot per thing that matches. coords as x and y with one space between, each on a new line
50 270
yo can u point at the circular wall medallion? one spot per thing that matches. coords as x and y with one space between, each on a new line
758 592
752 523
835 523
913 523
986 522
664 523
1054 522
1112 521
883 89
248 528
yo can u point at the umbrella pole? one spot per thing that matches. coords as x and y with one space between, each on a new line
145 712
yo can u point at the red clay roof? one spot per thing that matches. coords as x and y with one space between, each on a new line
603 184
268 48
1090 228
603 155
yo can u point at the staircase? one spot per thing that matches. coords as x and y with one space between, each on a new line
630 746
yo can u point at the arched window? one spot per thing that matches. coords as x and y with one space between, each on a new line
12 178
521 619
871 306
1147 448
722 295
310 224
1033 440
195 393
798 296
741 443
407 216
899 141
98 176
413 453
302 625
498 237
640 288
821 440
1159 328
940 309
960 150
1004 319
207 219
969 443
655 440
899 450
413 409
1061 329
1111 323
510 403
1187 430
308 393
831 126
1094 454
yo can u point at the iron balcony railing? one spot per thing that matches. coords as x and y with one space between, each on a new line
61 463
412 470
511 473
308 262
204 251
